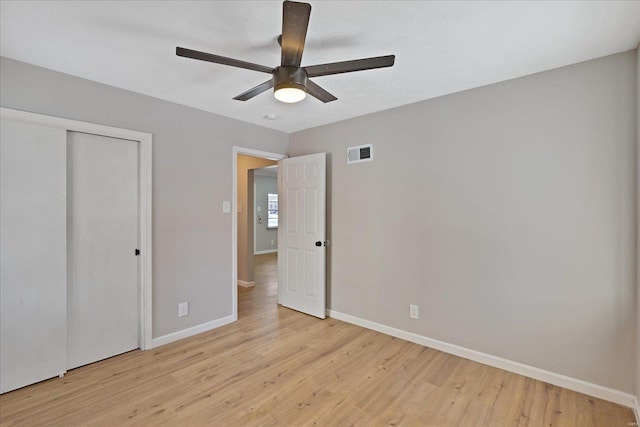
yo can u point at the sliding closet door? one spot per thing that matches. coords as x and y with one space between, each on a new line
33 296
102 221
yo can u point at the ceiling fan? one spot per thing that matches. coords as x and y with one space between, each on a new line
291 81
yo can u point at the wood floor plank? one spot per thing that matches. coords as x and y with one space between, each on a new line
278 367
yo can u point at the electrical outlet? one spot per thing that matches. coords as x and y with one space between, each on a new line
183 309
414 311
273 242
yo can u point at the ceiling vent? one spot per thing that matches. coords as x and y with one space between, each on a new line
360 153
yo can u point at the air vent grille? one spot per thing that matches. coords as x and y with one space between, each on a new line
360 153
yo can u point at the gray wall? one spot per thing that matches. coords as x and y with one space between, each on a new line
264 235
505 212
192 155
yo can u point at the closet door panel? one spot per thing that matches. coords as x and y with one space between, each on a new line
102 190
33 256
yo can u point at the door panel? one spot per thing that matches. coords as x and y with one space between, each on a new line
292 270
33 257
102 237
291 216
302 185
310 272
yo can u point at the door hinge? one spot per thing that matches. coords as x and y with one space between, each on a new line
137 252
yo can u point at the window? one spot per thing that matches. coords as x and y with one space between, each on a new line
272 210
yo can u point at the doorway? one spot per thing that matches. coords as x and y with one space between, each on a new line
265 212
245 161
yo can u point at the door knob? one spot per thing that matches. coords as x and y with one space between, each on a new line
318 243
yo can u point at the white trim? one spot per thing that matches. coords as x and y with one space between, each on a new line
234 216
194 330
144 211
268 251
246 284
637 248
280 238
146 232
605 393
73 125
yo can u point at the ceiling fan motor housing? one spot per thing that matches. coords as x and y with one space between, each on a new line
285 77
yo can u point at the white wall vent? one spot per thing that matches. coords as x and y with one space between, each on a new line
360 153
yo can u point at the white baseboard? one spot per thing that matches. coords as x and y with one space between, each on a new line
601 392
194 330
246 284
636 408
269 251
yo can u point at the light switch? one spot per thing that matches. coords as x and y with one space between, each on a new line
226 207
259 208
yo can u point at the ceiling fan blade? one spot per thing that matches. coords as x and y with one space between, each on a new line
317 92
295 20
350 66
203 56
255 91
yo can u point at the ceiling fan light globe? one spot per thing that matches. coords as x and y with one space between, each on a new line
289 94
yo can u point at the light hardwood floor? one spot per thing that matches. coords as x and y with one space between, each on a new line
279 367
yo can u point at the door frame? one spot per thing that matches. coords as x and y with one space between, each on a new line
234 216
255 229
144 204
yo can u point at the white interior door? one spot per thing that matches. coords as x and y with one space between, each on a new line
33 263
102 191
301 233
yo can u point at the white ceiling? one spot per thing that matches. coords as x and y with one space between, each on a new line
441 47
